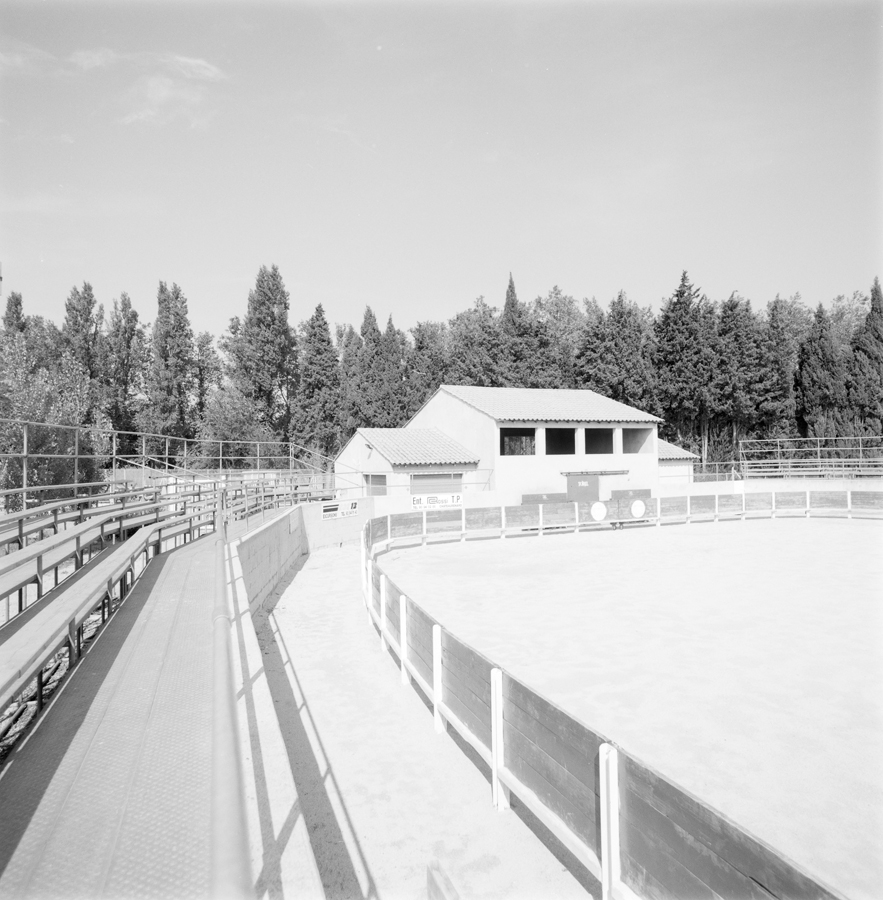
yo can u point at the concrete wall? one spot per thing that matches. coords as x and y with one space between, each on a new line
325 531
268 552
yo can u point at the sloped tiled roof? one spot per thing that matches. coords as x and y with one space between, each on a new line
672 451
417 446
546 405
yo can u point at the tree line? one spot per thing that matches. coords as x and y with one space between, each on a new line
715 371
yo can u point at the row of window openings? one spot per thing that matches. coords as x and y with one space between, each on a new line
562 441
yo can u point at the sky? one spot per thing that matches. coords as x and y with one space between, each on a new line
409 156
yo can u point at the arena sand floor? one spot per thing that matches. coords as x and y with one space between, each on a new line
742 660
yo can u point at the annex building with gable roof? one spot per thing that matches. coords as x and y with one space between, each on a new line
525 441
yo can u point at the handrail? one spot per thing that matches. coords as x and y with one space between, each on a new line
230 864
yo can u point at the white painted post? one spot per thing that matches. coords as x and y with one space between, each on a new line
849 504
403 636
462 523
807 504
716 506
383 590
437 679
500 791
502 522
773 508
575 515
370 597
610 865
362 555
541 519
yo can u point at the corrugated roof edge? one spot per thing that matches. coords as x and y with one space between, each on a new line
645 416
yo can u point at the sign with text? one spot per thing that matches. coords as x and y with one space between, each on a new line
436 501
342 510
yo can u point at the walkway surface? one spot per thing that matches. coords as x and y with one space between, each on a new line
110 795
742 660
351 793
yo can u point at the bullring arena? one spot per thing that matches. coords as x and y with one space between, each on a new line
740 659
487 701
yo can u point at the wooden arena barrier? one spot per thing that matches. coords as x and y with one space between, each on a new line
639 833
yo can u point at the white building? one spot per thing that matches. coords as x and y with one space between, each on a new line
512 440
400 461
675 464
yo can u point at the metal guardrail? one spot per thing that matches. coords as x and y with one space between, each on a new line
426 651
230 867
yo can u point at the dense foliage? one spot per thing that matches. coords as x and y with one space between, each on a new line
716 371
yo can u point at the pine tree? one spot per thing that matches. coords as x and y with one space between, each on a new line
316 407
821 391
170 374
13 318
866 371
261 350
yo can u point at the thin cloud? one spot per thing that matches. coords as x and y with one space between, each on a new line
169 86
95 59
16 56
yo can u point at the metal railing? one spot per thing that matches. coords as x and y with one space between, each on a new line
857 456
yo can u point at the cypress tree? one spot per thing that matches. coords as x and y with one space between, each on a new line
866 371
122 363
615 355
206 370
316 407
261 350
81 330
739 376
685 335
369 386
170 374
530 358
426 363
13 317
349 344
821 391
477 347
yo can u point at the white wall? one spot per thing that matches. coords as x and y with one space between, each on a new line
542 474
465 424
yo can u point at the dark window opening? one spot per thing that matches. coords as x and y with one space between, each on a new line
599 440
518 441
636 440
560 441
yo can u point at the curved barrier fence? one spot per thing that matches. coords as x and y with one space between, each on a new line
635 830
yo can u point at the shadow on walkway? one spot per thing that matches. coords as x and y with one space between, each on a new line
30 769
332 841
